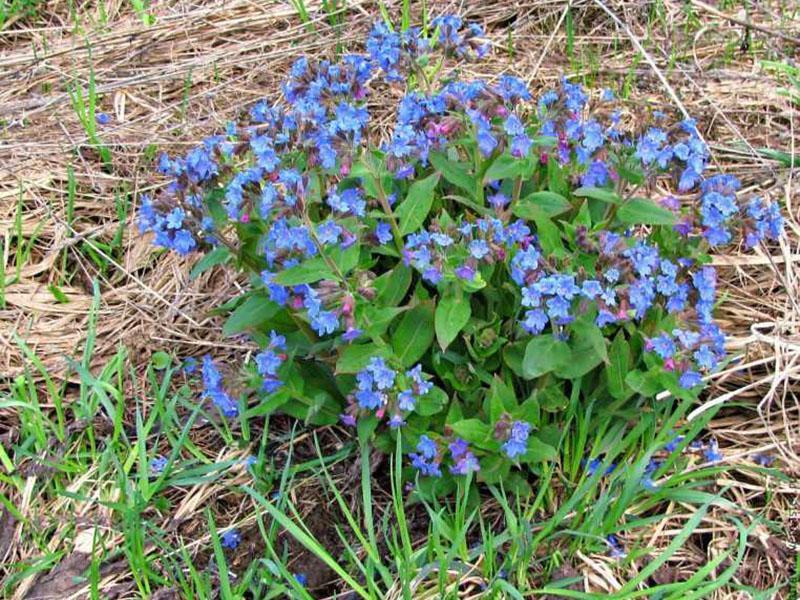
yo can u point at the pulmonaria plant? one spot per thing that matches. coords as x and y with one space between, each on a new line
496 257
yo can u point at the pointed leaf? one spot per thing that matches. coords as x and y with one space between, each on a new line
452 314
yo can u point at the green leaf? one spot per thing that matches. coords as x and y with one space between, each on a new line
353 358
552 398
217 256
544 202
393 285
618 367
543 354
644 211
376 319
556 178
453 172
597 193
415 208
538 451
473 431
587 349
366 426
646 383
513 355
309 271
505 166
494 469
432 402
160 360
317 268
414 334
549 235
452 314
250 314
501 399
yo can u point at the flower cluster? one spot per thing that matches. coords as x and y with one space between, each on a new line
517 443
214 390
269 361
383 391
459 251
720 213
487 221
428 458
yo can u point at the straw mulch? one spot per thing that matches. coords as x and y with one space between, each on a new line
168 85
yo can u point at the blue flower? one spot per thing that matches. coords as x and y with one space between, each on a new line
349 201
647 478
383 376
231 539
350 118
183 242
396 421
406 400
650 145
384 49
593 137
690 379
213 388
158 464
535 321
465 464
324 322
190 365
712 453
520 146
499 200
200 166
517 443
351 334
513 126
663 346
596 174
329 232
426 460
102 118
478 248
512 89
301 579
427 447
574 96
616 549
705 358
673 444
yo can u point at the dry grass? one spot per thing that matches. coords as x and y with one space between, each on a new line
169 85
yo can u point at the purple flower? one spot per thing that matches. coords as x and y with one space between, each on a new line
465 272
351 334
465 464
396 421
